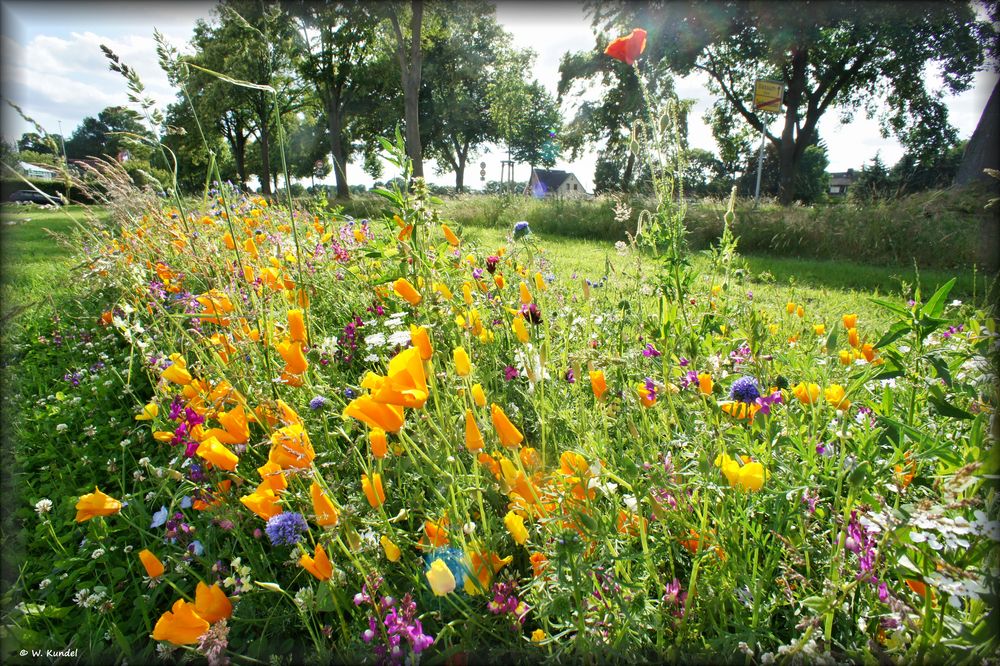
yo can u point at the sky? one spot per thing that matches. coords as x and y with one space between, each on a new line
53 68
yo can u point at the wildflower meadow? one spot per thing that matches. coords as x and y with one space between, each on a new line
275 433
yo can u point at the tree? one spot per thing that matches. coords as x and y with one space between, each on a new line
410 56
842 54
107 135
34 142
609 120
469 50
337 51
919 170
704 174
811 181
873 183
982 151
535 139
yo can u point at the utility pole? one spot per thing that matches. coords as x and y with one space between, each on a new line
62 140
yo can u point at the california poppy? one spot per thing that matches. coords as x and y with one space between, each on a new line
440 577
598 384
473 436
422 341
627 49
296 326
181 625
520 330
211 603
449 234
509 435
263 501
154 567
375 414
372 487
463 366
392 552
215 452
326 513
290 447
319 566
379 443
96 504
407 291
515 525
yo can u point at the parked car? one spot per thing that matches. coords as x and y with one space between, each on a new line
31 196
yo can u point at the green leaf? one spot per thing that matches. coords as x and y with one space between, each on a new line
935 306
892 307
831 340
896 331
941 368
945 408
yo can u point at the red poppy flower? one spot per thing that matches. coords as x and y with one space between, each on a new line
627 49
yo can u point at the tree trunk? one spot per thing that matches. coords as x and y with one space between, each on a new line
240 155
788 150
409 69
335 128
265 156
626 184
462 157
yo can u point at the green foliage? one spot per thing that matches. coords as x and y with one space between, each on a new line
848 55
112 132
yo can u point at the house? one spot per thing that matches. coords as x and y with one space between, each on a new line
840 181
37 172
552 183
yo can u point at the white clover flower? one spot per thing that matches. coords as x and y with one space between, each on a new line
97 553
61 427
43 505
45 583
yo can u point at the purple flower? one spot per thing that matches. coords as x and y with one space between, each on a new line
570 377
650 351
477 273
286 528
509 373
650 388
765 402
745 389
683 362
491 263
521 229
317 403
532 313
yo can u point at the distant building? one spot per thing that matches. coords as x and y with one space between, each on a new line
38 172
841 181
552 183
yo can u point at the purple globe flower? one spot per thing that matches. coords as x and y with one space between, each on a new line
745 389
521 229
286 528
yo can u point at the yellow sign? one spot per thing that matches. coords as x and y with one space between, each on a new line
767 96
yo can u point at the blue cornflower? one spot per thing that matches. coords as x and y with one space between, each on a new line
745 389
317 403
521 229
286 528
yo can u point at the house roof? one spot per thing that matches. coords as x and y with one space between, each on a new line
28 165
551 179
843 177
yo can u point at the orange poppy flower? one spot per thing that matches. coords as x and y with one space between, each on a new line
296 326
211 603
96 504
295 359
627 49
375 414
509 435
379 443
405 384
212 450
181 625
373 490
422 341
263 501
406 291
319 566
326 513
154 567
473 436
449 234
598 384
290 447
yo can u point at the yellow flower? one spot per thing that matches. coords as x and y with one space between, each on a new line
96 504
392 552
326 513
749 476
154 567
405 385
463 366
181 625
515 525
836 396
422 341
520 329
850 321
319 566
790 307
467 293
539 282
373 490
478 395
441 579
807 394
177 372
509 435
537 636
819 329
407 291
473 436
149 412
598 384
525 294
800 312
295 359
845 357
